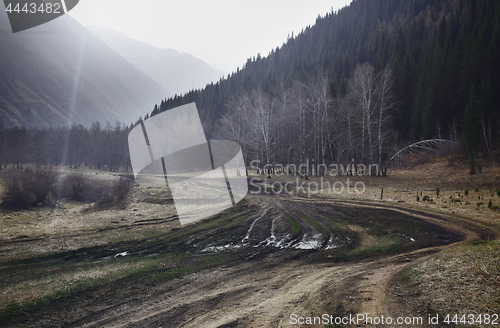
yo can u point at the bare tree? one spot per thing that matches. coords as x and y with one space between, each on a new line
234 126
422 149
385 103
284 121
261 120
362 91
304 121
298 115
345 139
253 123
321 101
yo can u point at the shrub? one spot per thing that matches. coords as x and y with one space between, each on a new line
120 189
75 187
437 192
82 188
42 182
489 204
101 192
466 192
15 196
79 187
29 187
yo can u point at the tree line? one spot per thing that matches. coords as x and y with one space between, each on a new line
305 123
95 147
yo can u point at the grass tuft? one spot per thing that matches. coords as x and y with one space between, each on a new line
295 226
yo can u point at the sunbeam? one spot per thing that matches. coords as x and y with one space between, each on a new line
71 113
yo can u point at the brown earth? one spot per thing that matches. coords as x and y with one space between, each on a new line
362 245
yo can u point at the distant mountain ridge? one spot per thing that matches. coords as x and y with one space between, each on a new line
59 74
175 71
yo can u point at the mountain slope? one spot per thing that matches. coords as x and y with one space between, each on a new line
59 74
443 54
175 71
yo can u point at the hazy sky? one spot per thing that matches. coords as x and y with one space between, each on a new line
222 32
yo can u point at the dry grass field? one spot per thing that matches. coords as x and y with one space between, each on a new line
75 252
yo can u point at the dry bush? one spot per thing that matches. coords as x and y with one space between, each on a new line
29 187
101 192
15 196
79 187
42 181
121 189
74 187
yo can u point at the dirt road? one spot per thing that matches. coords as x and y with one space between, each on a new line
274 288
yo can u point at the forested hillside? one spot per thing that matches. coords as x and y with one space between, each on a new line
442 57
358 85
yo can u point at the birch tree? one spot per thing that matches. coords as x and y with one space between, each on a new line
385 103
362 91
321 102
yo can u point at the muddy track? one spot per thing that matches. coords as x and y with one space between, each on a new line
263 296
269 284
471 229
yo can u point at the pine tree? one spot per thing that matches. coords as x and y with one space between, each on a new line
470 128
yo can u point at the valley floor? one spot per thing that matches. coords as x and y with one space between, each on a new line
271 261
